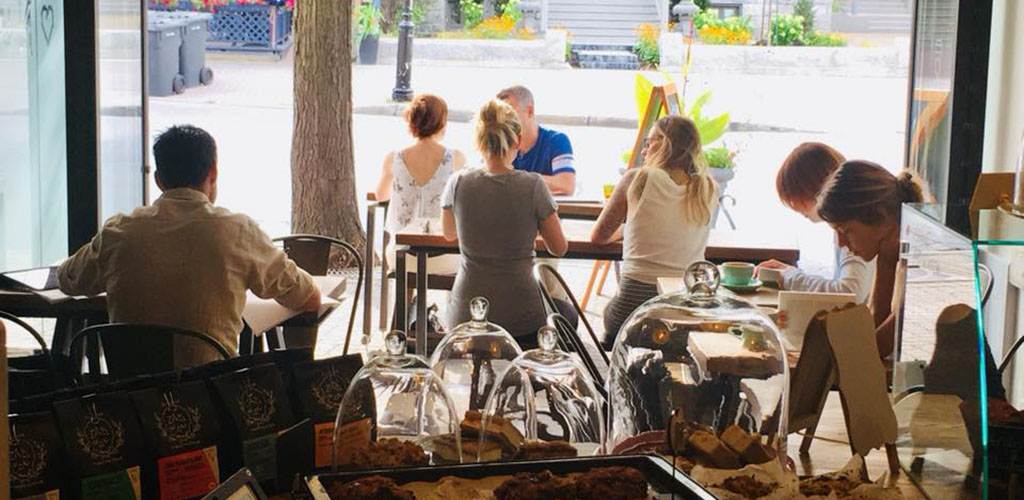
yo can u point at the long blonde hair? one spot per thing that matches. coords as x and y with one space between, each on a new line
497 128
680 155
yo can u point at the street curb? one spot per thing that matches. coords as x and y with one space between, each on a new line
463 116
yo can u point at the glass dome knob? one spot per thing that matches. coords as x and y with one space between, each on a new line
702 279
547 338
394 342
478 309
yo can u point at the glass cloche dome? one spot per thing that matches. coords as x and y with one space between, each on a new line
702 371
544 406
396 413
471 357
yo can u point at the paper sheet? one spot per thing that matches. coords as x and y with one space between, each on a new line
800 307
264 314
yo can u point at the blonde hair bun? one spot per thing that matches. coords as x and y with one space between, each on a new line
497 128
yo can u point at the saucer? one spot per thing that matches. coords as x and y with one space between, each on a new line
751 287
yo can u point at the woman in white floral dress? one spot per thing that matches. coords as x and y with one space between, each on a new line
414 177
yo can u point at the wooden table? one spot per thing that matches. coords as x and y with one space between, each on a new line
722 246
76 313
766 297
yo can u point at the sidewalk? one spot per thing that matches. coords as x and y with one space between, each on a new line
578 97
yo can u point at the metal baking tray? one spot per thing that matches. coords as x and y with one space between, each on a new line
666 481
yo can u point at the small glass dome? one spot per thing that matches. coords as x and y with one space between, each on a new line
472 356
548 401
712 365
396 413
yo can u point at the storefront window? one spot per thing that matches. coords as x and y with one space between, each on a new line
121 105
33 165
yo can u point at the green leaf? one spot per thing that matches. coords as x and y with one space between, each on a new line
642 93
711 130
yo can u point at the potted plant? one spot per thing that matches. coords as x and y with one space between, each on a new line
368 26
721 161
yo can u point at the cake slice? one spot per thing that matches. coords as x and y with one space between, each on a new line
708 447
749 447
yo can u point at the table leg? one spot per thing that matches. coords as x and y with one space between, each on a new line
382 324
421 303
401 291
368 270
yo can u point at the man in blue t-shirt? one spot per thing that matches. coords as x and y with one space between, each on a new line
541 150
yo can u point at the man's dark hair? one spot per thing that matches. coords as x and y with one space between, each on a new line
184 155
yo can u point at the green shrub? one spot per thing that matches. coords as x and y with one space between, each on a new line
472 13
702 5
805 9
510 10
787 30
719 157
705 18
817 39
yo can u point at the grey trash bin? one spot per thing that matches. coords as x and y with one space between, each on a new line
194 33
164 46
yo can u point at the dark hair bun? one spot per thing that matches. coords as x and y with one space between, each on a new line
427 115
911 189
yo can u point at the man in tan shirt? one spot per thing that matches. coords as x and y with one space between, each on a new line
183 262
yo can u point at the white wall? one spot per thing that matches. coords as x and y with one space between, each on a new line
1004 126
1004 114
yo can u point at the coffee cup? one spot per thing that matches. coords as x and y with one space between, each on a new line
737 273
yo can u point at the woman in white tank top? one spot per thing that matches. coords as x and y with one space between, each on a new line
662 211
413 178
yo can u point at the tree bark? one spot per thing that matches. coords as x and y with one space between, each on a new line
323 169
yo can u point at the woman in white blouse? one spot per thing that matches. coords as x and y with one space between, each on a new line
662 211
414 177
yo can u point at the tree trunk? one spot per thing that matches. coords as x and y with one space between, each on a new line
323 172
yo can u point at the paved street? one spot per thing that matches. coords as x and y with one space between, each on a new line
248 109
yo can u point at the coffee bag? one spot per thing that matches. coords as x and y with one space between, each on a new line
103 445
317 388
36 457
181 432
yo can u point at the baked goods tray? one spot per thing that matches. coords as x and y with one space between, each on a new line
665 481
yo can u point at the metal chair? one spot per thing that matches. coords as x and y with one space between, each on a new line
131 350
436 281
569 338
35 373
312 253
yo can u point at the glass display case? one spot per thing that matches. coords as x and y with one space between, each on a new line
547 402
700 370
471 358
943 364
396 413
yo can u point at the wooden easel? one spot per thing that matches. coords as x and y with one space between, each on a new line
839 348
664 101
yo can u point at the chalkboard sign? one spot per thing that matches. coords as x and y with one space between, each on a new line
664 101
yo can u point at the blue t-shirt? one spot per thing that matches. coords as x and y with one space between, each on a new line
550 155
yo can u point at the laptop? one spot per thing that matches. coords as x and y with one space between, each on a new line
39 279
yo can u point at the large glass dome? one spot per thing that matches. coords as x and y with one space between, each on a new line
471 358
544 406
396 413
708 368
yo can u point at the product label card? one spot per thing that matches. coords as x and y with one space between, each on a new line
260 456
49 495
188 475
352 437
120 485
323 437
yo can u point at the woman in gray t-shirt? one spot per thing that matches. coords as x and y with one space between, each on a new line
496 213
